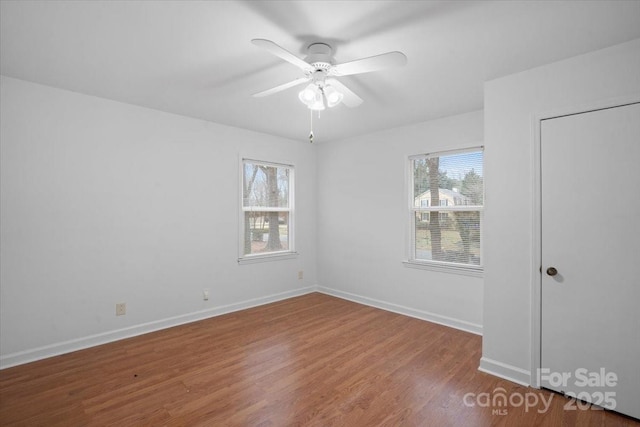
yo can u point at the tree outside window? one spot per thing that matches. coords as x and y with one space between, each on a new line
447 201
267 201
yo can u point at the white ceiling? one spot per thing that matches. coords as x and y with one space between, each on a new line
196 58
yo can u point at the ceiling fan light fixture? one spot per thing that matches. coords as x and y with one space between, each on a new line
333 96
309 94
318 104
312 97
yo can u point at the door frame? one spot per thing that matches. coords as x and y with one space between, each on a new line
536 253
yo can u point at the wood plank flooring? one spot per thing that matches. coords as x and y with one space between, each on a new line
313 360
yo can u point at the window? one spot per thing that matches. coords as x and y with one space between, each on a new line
445 208
267 209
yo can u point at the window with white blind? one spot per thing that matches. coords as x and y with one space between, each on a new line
446 200
266 209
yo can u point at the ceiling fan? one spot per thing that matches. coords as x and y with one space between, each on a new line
320 71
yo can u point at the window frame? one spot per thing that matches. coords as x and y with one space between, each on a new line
442 266
273 255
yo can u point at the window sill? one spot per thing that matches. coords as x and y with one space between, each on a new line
445 268
267 258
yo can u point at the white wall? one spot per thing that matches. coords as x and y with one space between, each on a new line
511 103
104 202
362 219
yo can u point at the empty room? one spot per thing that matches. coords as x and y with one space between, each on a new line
319 213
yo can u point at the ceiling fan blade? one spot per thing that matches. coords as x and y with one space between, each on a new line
350 99
282 53
282 87
372 63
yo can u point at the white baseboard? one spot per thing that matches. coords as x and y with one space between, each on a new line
505 371
407 311
31 355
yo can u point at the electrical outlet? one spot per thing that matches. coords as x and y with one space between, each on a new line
205 294
300 275
121 309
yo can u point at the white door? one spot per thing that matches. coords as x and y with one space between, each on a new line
590 171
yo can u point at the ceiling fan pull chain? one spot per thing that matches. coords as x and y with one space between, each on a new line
311 126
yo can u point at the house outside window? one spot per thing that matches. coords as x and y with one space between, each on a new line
266 209
446 203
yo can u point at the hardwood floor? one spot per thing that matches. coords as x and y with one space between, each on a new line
312 360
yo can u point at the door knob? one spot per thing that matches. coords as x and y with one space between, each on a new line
551 271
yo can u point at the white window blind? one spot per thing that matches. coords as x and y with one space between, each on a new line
446 203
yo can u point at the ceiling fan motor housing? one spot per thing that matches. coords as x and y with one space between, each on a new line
319 56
